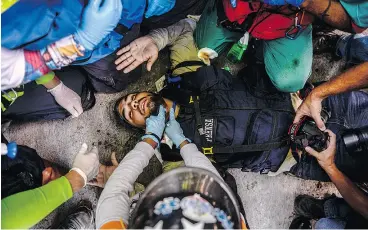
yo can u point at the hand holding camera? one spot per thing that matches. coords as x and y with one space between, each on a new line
326 158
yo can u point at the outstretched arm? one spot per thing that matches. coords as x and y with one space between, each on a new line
333 11
146 48
114 204
349 191
353 79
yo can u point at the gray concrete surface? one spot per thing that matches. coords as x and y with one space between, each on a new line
268 201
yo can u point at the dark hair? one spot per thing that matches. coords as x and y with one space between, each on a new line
22 173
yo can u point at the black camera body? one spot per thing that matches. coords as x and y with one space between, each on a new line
306 133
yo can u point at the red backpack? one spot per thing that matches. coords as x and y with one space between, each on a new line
270 22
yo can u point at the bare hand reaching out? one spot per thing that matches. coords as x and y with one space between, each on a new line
140 50
311 107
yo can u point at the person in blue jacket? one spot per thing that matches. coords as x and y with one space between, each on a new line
35 24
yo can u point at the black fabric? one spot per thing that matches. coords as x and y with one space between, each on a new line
180 11
348 111
38 104
22 173
103 73
232 116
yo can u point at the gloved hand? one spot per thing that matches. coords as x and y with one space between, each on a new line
296 3
98 21
155 126
86 163
159 7
233 3
174 131
68 99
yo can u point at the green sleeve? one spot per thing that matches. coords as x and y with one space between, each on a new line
25 209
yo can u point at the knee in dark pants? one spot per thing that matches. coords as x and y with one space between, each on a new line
76 79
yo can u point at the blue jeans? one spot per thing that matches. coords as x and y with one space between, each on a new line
348 111
353 48
340 215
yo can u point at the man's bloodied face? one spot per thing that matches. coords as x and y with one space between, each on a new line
135 108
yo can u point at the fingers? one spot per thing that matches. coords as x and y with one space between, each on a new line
123 57
132 66
311 151
95 4
162 111
317 118
150 62
94 151
123 50
114 161
298 116
78 108
332 141
172 114
127 62
72 111
83 149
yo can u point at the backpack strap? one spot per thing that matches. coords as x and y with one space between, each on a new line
185 64
251 148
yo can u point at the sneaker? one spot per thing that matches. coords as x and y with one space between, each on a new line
325 43
309 207
82 218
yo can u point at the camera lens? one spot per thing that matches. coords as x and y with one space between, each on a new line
356 140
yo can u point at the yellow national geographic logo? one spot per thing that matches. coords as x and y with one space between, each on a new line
191 99
6 4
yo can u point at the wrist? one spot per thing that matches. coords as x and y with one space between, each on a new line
305 4
150 142
76 180
185 142
317 94
331 169
53 83
81 174
46 79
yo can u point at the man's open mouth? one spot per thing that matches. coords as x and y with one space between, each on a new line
143 105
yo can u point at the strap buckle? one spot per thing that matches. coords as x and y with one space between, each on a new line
208 151
294 36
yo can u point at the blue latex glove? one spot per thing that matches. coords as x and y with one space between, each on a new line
159 7
233 3
174 131
155 126
296 3
98 21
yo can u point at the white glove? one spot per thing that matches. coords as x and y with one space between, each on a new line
68 99
86 163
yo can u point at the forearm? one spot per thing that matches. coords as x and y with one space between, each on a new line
167 36
25 209
54 56
335 16
353 79
114 203
349 191
194 158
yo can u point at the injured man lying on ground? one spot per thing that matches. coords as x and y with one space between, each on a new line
240 121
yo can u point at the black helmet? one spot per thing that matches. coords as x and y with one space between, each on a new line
187 198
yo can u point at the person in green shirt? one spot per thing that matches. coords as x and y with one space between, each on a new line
25 209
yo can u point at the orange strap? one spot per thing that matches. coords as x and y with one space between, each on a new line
116 224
